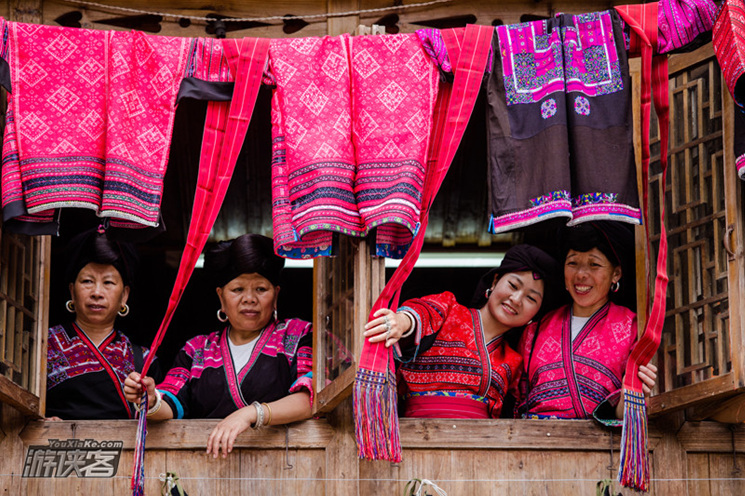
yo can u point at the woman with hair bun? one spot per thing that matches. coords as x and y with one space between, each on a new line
256 370
88 359
575 357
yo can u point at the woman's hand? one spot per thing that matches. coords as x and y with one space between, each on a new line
224 434
376 330
648 376
133 389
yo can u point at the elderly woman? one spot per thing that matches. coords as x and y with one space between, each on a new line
88 359
576 355
256 370
455 362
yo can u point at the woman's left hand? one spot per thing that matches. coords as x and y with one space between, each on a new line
224 434
648 376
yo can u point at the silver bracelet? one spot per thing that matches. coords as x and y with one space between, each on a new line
412 326
259 416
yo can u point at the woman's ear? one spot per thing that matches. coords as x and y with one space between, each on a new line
617 273
125 295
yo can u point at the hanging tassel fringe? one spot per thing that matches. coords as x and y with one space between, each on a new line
633 470
138 464
376 416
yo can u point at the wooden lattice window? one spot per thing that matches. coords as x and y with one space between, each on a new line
700 354
345 288
24 292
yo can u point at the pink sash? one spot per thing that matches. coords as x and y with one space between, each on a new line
375 410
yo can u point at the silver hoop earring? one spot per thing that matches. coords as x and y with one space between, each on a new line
124 311
488 293
615 286
275 314
70 306
221 316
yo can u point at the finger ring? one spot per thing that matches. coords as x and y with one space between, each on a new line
387 334
387 326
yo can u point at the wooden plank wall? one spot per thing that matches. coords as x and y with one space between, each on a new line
497 457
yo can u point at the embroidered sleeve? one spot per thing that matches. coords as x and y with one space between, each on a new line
429 312
304 364
175 387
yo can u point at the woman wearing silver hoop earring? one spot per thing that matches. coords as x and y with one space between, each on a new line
588 341
262 364
222 316
89 359
434 335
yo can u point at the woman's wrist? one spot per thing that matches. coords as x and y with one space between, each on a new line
158 403
412 324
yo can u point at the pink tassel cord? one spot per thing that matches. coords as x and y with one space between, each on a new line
376 416
633 470
138 464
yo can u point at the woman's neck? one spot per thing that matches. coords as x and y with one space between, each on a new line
492 327
578 311
239 337
96 333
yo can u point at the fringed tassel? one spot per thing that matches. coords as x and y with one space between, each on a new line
138 464
376 416
633 470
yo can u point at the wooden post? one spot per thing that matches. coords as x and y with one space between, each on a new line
341 454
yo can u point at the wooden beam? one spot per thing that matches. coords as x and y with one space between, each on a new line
708 437
330 396
581 435
694 394
179 434
14 395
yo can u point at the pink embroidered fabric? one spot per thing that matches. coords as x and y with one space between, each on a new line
92 116
349 144
681 21
394 86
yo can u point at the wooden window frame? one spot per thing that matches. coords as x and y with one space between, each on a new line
28 400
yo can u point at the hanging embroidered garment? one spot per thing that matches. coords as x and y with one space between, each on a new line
394 89
451 371
349 146
559 99
313 164
203 383
92 115
680 22
597 357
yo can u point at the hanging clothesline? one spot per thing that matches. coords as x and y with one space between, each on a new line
325 15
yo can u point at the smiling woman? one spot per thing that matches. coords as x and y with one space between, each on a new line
575 357
455 362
